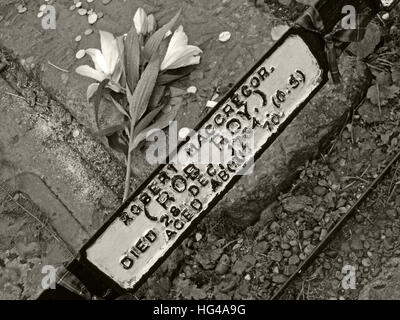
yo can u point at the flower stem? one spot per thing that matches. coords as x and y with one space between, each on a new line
127 176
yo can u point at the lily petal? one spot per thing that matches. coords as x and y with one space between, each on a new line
99 61
178 39
116 76
181 57
88 71
109 49
91 90
140 21
151 23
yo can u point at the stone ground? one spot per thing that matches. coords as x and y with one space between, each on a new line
52 165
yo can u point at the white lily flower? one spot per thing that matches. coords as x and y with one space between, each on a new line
151 23
106 62
179 53
140 21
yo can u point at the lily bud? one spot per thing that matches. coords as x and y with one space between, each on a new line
140 21
151 23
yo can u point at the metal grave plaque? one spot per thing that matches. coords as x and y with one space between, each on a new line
179 193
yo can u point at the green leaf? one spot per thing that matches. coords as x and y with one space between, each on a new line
152 45
97 99
161 123
145 122
157 96
132 59
171 76
139 100
119 107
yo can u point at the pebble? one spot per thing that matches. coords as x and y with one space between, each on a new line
40 14
75 133
276 256
198 236
191 89
366 262
78 4
279 278
106 2
224 36
80 54
72 8
89 1
320 191
88 32
223 265
78 38
42 7
100 15
92 18
21 8
294 260
287 253
307 234
247 277
211 104
82 11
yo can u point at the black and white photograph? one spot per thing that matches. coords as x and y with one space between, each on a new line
201 158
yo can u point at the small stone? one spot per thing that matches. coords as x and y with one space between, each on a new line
75 133
92 18
279 278
275 226
82 12
287 253
366 262
100 15
40 14
89 1
198 236
78 38
42 7
239 267
80 54
296 203
307 234
224 36
72 8
261 247
211 104
247 277
285 246
78 4
276 256
294 260
320 191
21 9
191 89
223 265
323 234
106 2
88 32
